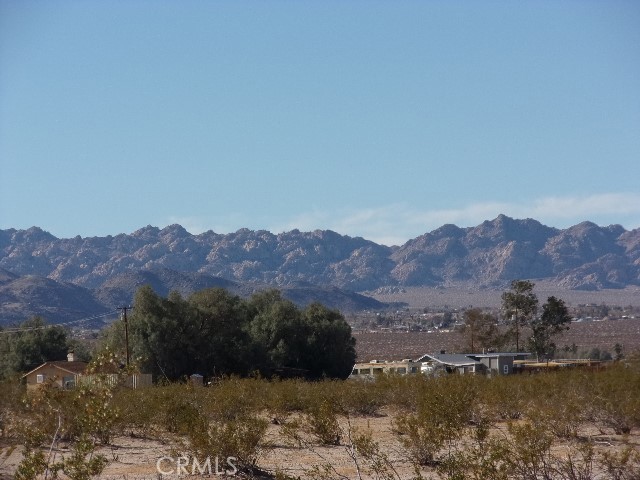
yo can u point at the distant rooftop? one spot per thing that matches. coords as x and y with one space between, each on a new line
449 358
466 358
499 354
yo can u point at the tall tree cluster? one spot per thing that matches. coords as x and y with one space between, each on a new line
520 308
213 332
519 305
526 329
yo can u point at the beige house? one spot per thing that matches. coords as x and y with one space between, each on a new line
62 374
71 373
375 367
434 364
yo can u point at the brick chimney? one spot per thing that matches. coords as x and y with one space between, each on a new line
71 357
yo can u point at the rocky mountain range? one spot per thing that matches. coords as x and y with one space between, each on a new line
40 273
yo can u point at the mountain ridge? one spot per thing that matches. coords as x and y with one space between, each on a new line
584 256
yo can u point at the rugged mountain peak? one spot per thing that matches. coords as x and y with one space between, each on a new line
33 234
448 230
146 233
495 251
174 231
583 228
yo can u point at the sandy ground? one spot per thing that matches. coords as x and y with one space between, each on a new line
133 458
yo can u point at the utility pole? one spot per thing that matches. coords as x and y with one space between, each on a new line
126 330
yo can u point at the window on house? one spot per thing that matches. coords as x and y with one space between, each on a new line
505 369
40 378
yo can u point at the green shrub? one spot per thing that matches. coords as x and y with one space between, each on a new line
363 398
11 394
506 397
322 422
559 401
440 418
140 410
240 439
84 416
624 465
616 398
284 397
233 397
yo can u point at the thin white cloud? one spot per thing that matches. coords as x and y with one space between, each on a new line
396 223
622 204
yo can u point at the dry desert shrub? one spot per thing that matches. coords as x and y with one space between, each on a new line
615 399
241 439
622 465
233 397
11 406
83 417
321 420
225 421
444 422
284 397
364 398
506 397
438 422
560 402
140 411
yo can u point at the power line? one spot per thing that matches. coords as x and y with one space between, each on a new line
64 324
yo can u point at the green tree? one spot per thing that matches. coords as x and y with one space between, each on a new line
316 340
519 306
222 320
278 333
555 318
330 349
480 330
216 333
163 336
33 344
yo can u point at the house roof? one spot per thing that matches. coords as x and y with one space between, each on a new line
456 359
69 367
499 354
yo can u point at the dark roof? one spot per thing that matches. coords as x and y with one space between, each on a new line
499 354
71 367
457 359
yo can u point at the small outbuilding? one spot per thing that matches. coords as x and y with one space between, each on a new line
501 363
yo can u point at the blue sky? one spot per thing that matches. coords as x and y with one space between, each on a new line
381 119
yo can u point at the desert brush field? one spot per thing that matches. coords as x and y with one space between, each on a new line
574 424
